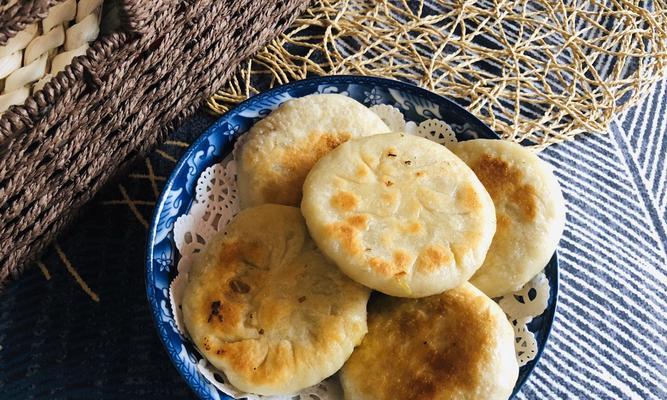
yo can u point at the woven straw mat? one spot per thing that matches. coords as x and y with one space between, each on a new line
543 71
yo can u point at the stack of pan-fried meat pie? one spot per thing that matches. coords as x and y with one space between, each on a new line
371 254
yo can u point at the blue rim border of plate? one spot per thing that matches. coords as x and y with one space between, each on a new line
549 314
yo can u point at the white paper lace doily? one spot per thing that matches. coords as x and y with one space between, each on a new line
216 203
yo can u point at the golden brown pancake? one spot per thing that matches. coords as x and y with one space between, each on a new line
530 212
455 345
263 305
281 148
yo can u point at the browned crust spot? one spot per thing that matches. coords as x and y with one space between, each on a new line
380 266
401 275
345 234
395 267
401 260
412 227
236 252
358 221
455 365
344 201
438 345
504 183
433 257
284 187
258 363
503 223
525 198
361 171
468 199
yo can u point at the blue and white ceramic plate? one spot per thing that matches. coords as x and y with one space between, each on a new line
415 104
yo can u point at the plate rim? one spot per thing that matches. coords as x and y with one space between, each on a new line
386 82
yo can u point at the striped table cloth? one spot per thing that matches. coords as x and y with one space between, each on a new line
609 335
78 325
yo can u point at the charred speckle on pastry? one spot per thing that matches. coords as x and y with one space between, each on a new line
215 310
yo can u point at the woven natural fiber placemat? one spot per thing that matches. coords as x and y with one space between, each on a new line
542 70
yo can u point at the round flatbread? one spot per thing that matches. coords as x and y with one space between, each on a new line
530 212
399 213
283 147
455 345
264 306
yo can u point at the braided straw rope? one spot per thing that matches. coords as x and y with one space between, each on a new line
5 4
542 70
135 84
31 58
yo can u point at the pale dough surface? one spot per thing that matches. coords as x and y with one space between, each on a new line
399 214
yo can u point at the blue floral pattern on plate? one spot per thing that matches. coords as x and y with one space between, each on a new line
415 103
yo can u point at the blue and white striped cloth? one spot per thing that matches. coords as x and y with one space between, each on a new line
609 334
